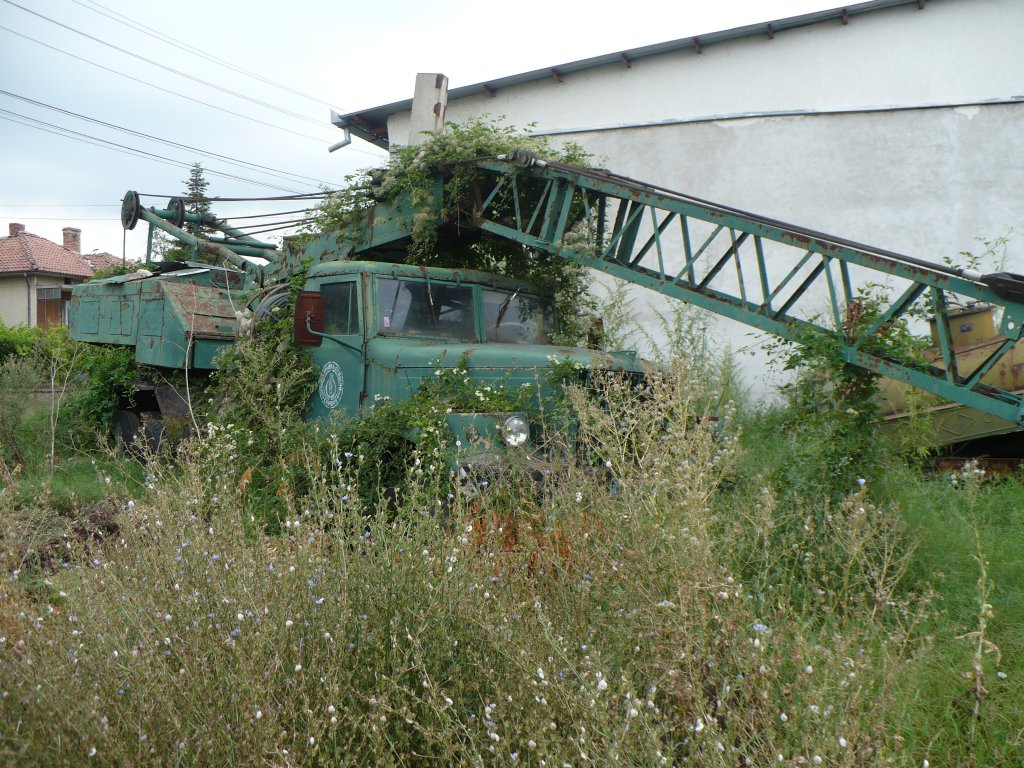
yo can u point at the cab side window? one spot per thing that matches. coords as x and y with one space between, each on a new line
341 308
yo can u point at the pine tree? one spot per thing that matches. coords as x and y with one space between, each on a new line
195 190
195 197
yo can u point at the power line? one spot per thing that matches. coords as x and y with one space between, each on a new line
297 196
126 151
59 205
95 140
159 88
67 218
225 158
175 93
138 26
268 215
178 72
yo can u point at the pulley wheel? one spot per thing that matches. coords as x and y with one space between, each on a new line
176 207
130 210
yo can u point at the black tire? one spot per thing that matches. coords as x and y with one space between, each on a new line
127 425
153 432
134 437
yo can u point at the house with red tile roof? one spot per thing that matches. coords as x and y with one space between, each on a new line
36 275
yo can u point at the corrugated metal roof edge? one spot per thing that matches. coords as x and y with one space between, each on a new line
367 123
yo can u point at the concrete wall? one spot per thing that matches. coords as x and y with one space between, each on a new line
903 129
13 301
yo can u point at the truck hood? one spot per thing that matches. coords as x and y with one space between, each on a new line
501 359
410 362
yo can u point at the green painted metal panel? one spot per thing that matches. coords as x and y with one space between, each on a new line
104 313
341 356
205 351
88 316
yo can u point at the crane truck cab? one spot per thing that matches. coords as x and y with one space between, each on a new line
377 330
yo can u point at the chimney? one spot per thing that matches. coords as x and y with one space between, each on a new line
73 239
15 229
429 103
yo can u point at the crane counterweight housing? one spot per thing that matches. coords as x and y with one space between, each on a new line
375 325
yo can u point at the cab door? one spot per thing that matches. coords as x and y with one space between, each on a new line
341 355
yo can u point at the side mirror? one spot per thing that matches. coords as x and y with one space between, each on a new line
309 311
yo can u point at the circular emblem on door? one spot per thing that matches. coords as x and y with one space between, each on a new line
332 385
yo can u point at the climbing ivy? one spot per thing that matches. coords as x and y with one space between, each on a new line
438 233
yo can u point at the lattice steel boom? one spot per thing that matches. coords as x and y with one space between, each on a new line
761 272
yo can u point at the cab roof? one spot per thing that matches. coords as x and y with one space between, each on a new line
388 269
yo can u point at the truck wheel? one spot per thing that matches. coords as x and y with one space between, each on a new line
133 436
153 432
127 426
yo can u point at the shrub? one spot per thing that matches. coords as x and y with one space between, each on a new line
398 443
18 381
258 395
17 340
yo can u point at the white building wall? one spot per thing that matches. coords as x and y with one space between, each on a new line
952 52
14 300
903 129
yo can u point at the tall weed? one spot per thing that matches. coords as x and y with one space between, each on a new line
596 619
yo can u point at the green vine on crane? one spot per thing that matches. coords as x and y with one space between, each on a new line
413 171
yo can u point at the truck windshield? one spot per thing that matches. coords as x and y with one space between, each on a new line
514 318
422 308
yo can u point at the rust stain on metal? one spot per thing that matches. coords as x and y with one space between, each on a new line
207 312
371 220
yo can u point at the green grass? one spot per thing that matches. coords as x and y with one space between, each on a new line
936 690
79 476
942 520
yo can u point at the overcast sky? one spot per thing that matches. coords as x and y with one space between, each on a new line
347 55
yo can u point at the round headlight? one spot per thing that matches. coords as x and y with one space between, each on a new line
515 430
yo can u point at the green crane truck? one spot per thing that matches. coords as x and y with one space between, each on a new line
376 326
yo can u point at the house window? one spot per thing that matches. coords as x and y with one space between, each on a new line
52 306
65 305
48 309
